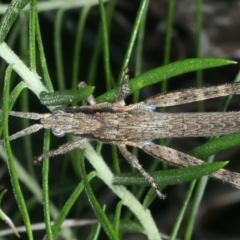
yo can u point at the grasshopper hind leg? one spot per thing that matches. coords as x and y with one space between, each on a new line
133 161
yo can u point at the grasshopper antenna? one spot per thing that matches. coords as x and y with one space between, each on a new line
27 115
32 129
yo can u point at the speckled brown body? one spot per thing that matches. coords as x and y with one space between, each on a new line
140 125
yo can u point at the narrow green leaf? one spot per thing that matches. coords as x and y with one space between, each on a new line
216 145
46 205
12 99
11 165
132 39
131 226
95 232
32 35
58 49
78 41
43 60
10 16
65 97
100 214
149 198
183 210
169 177
69 204
117 216
1 196
105 36
16 92
161 73
168 38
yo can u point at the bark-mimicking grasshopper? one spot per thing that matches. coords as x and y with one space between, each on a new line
138 124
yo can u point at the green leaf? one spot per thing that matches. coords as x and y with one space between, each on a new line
105 36
100 214
45 184
1 196
141 10
65 97
78 41
11 164
10 16
69 204
131 226
216 145
162 73
169 177
149 198
117 216
12 99
95 232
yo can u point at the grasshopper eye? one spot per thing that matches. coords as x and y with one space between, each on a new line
59 111
58 132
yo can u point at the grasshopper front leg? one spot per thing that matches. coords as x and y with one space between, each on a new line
62 149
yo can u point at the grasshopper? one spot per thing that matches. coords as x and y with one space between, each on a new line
139 124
